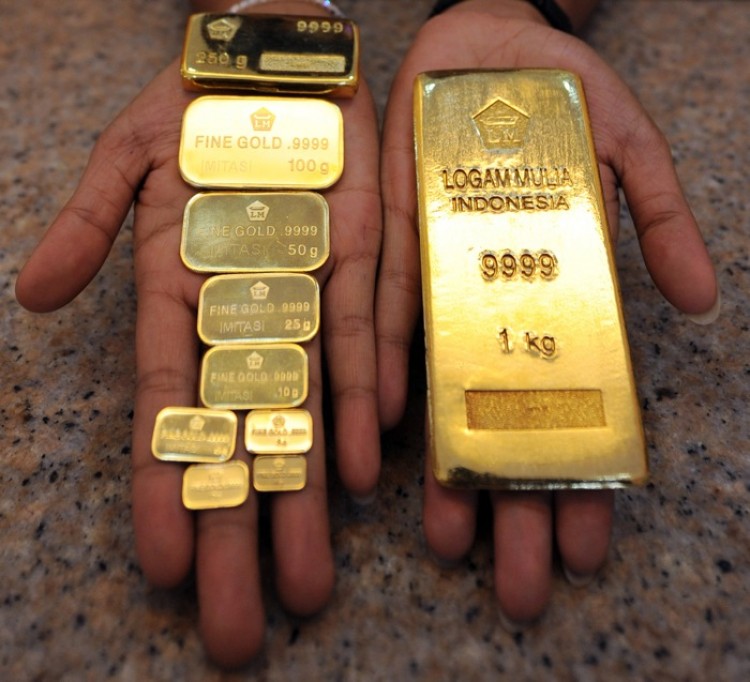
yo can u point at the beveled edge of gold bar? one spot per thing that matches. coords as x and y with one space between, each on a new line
338 87
470 480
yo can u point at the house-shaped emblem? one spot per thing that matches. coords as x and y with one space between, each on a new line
223 29
501 125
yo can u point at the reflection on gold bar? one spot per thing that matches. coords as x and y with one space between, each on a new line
530 383
255 232
278 432
214 486
272 54
282 473
261 142
194 434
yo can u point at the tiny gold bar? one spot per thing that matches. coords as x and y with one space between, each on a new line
247 377
278 432
255 232
271 54
261 142
215 486
258 308
530 383
280 473
194 434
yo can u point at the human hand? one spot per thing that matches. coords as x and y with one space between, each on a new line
135 159
631 153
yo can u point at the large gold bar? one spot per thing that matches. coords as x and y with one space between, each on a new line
530 381
271 54
258 232
261 142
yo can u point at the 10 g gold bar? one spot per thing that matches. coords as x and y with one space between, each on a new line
271 54
530 383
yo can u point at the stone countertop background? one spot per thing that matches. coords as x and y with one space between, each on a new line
674 600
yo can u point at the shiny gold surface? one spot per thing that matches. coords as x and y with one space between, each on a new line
245 377
258 308
244 232
214 486
280 473
278 432
271 54
261 142
530 384
194 434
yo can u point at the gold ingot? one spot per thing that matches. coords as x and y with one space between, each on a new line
278 432
194 434
530 381
261 142
271 54
243 232
280 473
258 308
245 377
215 486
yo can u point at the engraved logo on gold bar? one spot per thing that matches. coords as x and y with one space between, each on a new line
501 125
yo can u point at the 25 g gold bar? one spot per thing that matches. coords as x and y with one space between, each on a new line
530 380
271 54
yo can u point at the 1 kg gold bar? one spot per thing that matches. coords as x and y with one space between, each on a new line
278 432
246 377
530 382
258 308
255 232
272 54
194 434
261 142
282 473
215 486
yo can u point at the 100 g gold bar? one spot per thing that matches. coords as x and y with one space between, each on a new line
530 382
271 54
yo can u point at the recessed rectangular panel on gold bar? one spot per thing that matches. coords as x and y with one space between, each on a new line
278 432
246 377
279 473
530 381
271 54
215 486
258 308
261 142
255 232
194 434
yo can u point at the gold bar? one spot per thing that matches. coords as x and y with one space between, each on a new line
271 54
530 382
243 232
258 308
194 434
246 377
278 432
261 142
215 486
280 473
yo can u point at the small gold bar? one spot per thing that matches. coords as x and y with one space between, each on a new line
215 486
194 434
271 54
261 142
255 232
258 308
530 381
278 432
280 473
247 377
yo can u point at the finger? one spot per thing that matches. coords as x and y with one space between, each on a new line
348 325
301 534
523 553
232 618
583 522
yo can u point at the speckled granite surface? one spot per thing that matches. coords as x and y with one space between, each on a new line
674 601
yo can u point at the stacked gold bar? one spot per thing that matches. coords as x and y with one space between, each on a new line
530 383
259 304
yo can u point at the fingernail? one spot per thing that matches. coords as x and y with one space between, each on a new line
445 564
512 626
709 316
578 579
365 500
